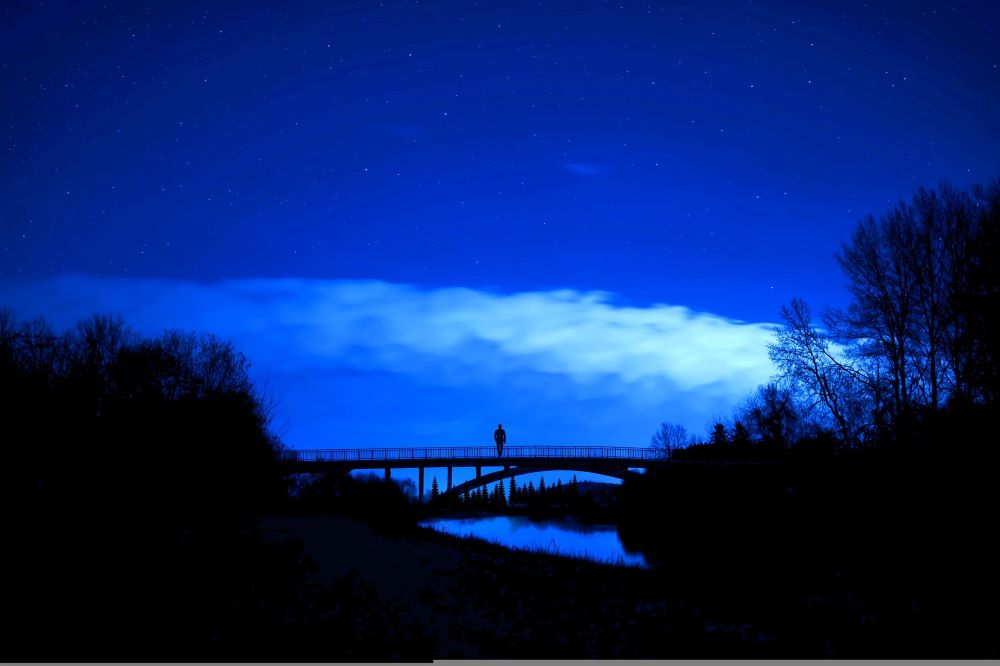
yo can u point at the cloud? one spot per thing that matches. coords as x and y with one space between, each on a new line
401 328
582 169
555 358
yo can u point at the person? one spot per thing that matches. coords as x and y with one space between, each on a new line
499 436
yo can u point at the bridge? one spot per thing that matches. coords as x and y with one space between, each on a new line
614 461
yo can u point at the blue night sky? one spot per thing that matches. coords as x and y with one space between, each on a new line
419 219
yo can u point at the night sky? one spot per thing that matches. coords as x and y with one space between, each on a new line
419 219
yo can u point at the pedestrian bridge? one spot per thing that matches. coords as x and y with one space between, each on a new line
614 461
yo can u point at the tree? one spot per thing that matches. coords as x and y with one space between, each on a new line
541 487
719 437
919 333
669 437
741 436
513 491
882 280
773 416
805 357
434 489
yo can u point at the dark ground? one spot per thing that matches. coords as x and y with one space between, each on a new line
768 562
830 560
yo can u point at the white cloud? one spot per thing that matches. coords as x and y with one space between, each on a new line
362 362
447 334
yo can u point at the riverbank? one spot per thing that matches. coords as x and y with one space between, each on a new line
471 599
461 598
843 560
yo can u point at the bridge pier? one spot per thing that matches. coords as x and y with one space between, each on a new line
388 473
421 475
449 478
479 471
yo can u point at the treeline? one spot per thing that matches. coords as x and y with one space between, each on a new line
499 497
869 536
913 360
99 418
133 471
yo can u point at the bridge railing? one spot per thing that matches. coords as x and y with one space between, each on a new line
512 453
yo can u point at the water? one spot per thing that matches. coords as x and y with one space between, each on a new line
560 537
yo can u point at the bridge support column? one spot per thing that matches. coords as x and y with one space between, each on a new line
421 475
388 473
506 468
479 471
449 479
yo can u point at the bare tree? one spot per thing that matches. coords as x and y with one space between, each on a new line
805 357
771 415
883 317
669 437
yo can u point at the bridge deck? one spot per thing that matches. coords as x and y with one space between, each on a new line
475 456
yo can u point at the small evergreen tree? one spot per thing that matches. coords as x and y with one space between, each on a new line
574 489
541 487
719 436
465 497
503 492
741 436
513 490
559 488
434 489
531 490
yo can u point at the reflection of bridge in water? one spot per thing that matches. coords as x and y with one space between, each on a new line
614 461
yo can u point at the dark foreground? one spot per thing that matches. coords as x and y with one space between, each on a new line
867 556
830 560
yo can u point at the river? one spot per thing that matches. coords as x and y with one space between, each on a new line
567 537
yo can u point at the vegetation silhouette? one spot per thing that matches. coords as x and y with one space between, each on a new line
134 472
866 531
382 504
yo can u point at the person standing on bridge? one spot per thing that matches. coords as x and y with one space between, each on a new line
500 437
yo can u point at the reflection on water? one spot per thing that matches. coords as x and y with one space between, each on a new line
561 537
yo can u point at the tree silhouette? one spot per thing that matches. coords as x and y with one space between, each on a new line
434 489
806 359
669 437
774 417
498 498
167 441
741 436
917 337
719 437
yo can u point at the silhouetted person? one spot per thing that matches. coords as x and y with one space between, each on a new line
499 436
